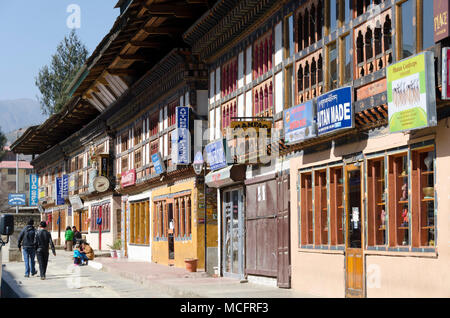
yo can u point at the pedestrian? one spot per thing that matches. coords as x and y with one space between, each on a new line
76 235
43 242
87 252
26 239
69 239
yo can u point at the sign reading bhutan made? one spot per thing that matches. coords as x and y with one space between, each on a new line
334 111
411 93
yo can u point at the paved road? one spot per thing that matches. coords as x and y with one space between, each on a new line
67 281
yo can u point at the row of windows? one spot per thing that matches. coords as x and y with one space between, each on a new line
173 216
400 204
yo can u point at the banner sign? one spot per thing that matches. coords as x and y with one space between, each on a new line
411 93
73 181
335 111
181 152
158 163
42 193
215 155
59 191
299 123
445 73
16 199
34 189
75 202
128 178
65 186
92 175
440 17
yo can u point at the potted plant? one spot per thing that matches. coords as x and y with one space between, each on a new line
116 249
191 264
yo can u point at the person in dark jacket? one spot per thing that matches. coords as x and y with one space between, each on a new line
43 241
76 236
26 240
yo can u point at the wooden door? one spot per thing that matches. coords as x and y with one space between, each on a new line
125 206
283 232
354 259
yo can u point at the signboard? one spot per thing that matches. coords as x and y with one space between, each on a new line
16 199
215 155
73 178
34 187
158 163
256 126
198 162
299 123
92 175
75 202
59 191
128 178
445 73
65 185
181 152
335 111
440 17
411 93
42 193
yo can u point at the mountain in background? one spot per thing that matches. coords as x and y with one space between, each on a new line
19 113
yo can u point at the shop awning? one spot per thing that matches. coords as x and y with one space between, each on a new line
226 176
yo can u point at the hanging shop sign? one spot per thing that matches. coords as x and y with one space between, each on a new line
239 128
215 155
158 163
65 186
411 93
445 73
15 199
181 152
42 193
75 202
34 187
440 15
73 178
92 175
59 191
299 123
335 111
128 178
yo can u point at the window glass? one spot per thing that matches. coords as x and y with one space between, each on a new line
332 66
347 12
428 24
333 14
347 43
408 40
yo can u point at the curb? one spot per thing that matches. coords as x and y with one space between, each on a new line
159 286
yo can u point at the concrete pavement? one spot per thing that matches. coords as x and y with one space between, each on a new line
106 277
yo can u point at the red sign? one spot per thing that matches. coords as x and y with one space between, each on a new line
128 178
441 29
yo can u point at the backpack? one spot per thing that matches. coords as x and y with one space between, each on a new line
30 236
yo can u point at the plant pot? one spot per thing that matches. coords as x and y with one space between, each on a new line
119 253
191 264
428 191
113 253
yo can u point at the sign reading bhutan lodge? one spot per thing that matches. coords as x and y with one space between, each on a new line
334 111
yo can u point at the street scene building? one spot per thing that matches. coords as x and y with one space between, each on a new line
296 144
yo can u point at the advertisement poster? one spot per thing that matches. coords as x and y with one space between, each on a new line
299 123
34 189
411 93
215 155
335 111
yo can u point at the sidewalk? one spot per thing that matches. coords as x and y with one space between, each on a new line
177 282
108 278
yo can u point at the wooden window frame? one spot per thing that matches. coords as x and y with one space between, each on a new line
320 207
306 208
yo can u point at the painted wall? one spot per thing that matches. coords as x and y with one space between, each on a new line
139 253
388 274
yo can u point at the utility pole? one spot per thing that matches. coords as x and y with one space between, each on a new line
17 171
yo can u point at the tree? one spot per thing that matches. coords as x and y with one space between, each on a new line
3 190
2 145
54 79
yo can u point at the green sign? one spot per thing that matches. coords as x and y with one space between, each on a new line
411 93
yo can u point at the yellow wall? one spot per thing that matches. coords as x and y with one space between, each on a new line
184 249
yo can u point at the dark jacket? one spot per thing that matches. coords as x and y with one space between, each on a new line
26 237
44 241
77 237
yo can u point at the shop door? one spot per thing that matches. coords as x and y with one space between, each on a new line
233 234
354 260
170 234
283 231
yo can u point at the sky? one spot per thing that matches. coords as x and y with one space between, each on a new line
30 31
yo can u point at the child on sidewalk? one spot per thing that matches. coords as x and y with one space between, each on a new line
77 255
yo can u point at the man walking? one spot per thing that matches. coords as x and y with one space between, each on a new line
26 240
43 242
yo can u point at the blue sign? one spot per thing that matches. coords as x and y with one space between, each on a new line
16 199
59 191
216 157
299 123
34 189
181 151
158 163
65 185
334 111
